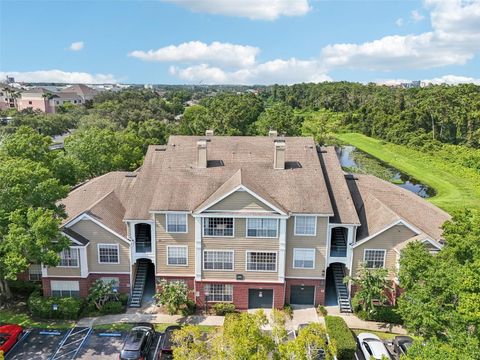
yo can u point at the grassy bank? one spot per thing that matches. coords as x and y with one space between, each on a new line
25 320
457 187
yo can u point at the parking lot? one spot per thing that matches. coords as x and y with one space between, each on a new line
77 343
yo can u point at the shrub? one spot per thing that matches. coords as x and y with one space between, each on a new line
173 295
342 337
100 293
112 307
67 308
22 287
188 308
222 309
321 310
386 314
287 309
123 298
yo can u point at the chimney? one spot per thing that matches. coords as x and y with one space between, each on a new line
209 132
279 154
202 153
273 133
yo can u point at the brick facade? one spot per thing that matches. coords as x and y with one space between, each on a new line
319 289
190 281
85 283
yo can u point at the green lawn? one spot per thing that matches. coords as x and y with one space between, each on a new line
457 187
381 335
25 320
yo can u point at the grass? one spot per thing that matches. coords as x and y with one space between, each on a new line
25 320
456 187
120 326
381 335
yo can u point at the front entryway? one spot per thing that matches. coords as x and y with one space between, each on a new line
260 298
302 295
143 288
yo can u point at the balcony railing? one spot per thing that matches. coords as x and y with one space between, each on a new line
143 247
338 251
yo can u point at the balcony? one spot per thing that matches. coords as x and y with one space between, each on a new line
143 238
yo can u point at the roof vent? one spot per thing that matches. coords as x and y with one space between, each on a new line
161 148
272 133
202 154
279 154
131 175
209 132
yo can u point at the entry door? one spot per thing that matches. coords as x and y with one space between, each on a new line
302 295
260 298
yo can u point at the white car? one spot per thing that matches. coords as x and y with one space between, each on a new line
372 347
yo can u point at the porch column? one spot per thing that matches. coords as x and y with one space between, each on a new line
198 248
282 244
83 261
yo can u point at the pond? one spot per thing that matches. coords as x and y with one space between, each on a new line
356 161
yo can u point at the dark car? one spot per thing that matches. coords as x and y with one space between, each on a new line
166 345
402 344
138 342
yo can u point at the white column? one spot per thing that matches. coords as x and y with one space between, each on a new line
198 248
83 261
351 230
282 245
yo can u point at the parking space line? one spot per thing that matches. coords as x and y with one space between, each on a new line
72 353
17 344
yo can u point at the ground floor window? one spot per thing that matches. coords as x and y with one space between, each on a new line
261 261
115 281
65 288
35 272
219 292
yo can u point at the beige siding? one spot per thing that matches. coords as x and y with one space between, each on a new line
318 242
240 200
98 235
386 240
164 239
65 271
240 244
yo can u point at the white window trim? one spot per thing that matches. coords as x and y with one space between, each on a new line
215 301
108 263
303 249
295 225
177 246
78 260
176 232
261 237
261 251
221 236
384 256
219 250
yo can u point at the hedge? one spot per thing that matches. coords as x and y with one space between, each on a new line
223 308
67 308
112 307
23 287
344 340
386 314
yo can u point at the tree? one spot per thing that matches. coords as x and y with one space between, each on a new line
322 125
195 120
308 345
278 117
27 143
101 292
189 344
278 319
173 295
371 285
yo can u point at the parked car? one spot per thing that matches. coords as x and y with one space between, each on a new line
166 351
372 347
401 344
9 335
138 342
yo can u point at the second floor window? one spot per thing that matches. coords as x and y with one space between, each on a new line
218 227
304 258
69 258
374 259
108 254
305 225
261 261
264 228
218 260
177 255
177 223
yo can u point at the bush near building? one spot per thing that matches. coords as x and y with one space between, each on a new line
341 337
66 308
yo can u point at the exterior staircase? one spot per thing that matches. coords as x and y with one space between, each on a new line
338 243
341 288
139 285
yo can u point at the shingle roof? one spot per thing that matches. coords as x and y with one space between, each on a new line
80 89
174 182
380 203
342 202
74 235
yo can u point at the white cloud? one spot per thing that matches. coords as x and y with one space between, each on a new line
60 77
196 51
416 16
453 80
77 46
399 22
252 9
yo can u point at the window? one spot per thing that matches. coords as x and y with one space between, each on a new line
261 261
265 228
177 223
305 225
29 103
65 288
108 254
218 227
219 292
115 281
303 258
218 260
177 255
69 258
374 258
35 272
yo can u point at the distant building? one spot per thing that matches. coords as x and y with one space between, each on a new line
8 97
411 84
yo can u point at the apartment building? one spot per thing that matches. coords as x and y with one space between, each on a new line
257 221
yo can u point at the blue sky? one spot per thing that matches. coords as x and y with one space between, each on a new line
243 41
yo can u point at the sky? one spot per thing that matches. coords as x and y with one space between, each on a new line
240 41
